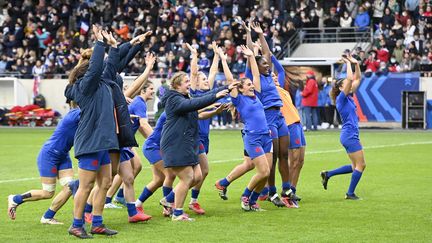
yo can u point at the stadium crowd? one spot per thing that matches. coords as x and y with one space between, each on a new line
45 38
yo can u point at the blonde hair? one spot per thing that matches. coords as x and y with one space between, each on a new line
176 79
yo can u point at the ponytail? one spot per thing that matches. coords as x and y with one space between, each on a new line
81 68
335 91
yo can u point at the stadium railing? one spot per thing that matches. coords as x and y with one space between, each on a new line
327 35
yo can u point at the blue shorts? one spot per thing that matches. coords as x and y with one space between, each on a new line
297 139
49 164
126 154
93 161
276 123
351 144
153 155
203 145
257 144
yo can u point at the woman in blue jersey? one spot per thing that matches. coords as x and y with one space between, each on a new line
179 142
201 85
257 139
96 133
342 94
127 170
161 177
53 161
271 101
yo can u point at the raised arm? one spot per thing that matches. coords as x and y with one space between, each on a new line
193 67
92 77
256 48
247 27
113 59
228 75
137 85
180 105
254 68
214 66
280 70
357 74
265 48
349 78
135 45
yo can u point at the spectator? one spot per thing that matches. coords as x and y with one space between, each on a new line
378 12
383 54
38 69
3 64
398 52
204 63
310 101
362 20
123 31
388 18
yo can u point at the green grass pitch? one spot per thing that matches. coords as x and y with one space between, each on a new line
396 192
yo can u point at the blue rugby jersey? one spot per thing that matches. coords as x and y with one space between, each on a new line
61 141
252 113
138 107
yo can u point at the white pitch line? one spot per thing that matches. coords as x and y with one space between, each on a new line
241 159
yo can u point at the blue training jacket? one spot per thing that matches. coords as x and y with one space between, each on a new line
97 128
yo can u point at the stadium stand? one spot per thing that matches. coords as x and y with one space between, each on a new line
45 38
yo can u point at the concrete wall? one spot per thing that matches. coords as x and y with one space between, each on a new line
426 85
51 89
322 50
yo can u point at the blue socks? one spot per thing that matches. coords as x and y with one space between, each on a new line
293 189
77 223
195 194
355 178
170 197
146 193
178 212
272 190
97 220
166 190
131 209
88 208
264 191
108 200
18 199
286 185
254 197
341 170
120 193
49 214
247 193
224 182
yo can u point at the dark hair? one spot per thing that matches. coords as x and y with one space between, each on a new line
242 81
146 85
335 90
81 68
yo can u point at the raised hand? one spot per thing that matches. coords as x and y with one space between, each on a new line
222 94
233 85
193 51
142 37
352 59
97 32
248 52
150 59
246 27
110 38
215 47
257 45
257 28
221 54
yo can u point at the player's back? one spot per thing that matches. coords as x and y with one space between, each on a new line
61 141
